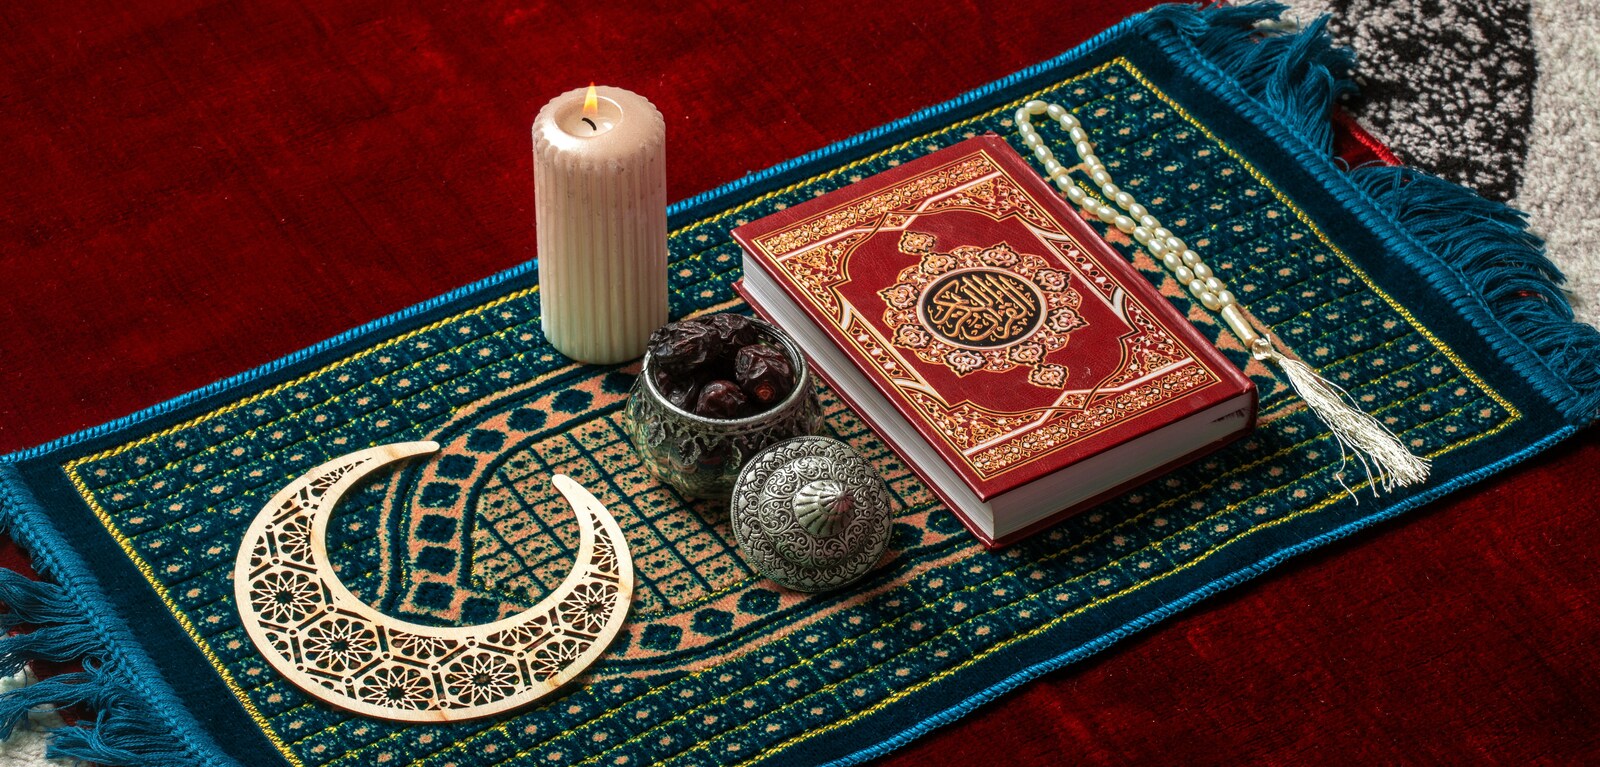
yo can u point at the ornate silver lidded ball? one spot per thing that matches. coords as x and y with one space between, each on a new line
810 514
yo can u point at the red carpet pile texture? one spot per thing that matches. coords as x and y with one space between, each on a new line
288 170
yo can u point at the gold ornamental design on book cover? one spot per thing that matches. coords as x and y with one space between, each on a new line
989 317
977 308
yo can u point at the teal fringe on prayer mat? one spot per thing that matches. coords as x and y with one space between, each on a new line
1433 307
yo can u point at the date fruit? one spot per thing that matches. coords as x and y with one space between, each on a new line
733 330
719 366
683 346
764 373
682 391
721 399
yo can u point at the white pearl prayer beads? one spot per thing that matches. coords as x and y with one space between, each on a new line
1128 215
1386 461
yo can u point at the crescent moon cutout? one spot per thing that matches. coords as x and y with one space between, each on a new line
342 651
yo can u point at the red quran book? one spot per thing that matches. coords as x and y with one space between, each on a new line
1020 365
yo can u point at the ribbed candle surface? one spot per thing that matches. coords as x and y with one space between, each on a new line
601 221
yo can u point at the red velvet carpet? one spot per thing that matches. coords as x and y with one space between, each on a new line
288 171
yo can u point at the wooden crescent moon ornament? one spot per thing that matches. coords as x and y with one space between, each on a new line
342 651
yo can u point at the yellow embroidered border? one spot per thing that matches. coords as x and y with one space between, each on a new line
897 695
974 587
71 468
1513 416
1323 238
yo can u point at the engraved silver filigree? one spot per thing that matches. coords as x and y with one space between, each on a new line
811 514
701 457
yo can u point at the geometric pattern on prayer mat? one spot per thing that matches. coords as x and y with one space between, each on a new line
716 664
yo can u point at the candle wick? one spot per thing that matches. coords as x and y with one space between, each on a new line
591 124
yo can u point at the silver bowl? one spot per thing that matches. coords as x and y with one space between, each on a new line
701 457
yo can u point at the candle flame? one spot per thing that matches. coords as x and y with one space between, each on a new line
591 103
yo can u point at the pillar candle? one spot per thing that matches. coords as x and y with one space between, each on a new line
601 221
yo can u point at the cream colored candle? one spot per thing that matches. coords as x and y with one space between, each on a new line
601 202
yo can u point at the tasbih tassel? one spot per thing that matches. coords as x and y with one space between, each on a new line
1385 460
1391 463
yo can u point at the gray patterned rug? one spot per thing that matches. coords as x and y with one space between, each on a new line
1500 95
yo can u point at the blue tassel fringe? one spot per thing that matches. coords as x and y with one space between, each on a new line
1296 75
126 729
1489 246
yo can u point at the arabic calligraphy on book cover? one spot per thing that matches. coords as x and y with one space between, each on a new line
987 311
